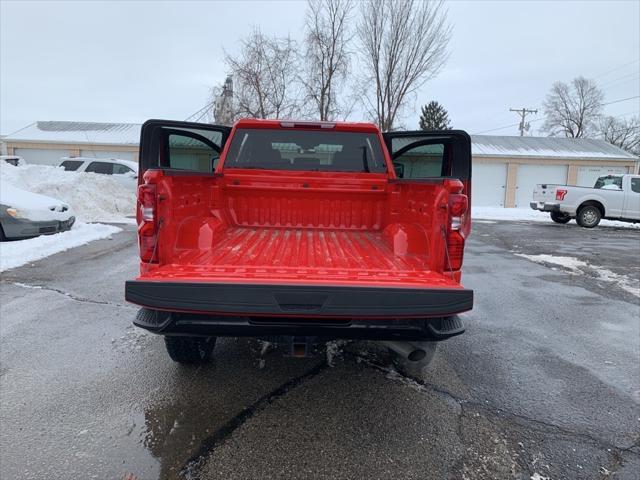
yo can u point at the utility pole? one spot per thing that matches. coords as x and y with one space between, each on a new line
523 114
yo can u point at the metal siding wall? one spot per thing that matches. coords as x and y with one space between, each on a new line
41 156
530 175
488 184
107 154
588 175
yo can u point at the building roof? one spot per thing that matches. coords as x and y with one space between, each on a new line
482 145
546 147
78 132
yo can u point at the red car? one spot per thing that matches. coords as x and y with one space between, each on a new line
300 232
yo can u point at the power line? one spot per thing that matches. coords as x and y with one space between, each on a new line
627 113
203 114
620 100
540 119
624 82
616 68
496 129
199 112
615 80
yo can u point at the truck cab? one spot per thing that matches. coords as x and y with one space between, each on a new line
303 231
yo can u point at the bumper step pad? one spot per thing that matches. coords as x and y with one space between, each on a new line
296 300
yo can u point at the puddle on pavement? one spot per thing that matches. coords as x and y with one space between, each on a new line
200 407
197 402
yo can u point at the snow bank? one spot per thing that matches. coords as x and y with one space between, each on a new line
93 197
530 215
17 253
577 267
570 263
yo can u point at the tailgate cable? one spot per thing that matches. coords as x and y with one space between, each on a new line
446 247
155 245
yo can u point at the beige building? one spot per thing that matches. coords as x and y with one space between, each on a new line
505 169
45 142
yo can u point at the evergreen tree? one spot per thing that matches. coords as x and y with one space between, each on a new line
434 117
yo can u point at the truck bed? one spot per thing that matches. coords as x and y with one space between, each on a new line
262 271
313 256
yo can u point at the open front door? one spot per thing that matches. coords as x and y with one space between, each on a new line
181 146
428 155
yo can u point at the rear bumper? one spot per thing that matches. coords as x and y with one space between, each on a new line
278 329
545 207
298 301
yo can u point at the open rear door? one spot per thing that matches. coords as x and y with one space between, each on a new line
181 146
440 156
421 155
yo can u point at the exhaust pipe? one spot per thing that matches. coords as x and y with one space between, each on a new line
414 352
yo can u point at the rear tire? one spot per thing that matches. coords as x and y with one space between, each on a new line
190 350
559 217
589 216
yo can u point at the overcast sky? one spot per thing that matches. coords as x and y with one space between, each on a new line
130 61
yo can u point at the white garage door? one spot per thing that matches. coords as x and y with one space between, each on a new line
488 184
530 175
587 176
106 154
41 156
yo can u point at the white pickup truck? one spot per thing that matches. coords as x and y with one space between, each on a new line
615 197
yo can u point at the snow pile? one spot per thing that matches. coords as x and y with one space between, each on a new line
93 197
570 263
17 253
499 213
530 215
577 267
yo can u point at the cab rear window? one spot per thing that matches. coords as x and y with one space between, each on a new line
609 183
305 150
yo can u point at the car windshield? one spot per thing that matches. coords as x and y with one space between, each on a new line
306 150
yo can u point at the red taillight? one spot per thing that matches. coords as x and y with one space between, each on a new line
455 249
458 208
147 202
147 224
560 193
458 204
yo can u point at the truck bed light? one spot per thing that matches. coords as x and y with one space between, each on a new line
327 125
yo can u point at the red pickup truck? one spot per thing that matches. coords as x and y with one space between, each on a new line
301 232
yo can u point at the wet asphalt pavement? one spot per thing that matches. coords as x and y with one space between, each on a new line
544 383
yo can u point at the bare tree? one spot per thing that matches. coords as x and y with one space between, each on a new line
327 55
265 77
404 44
573 110
622 133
